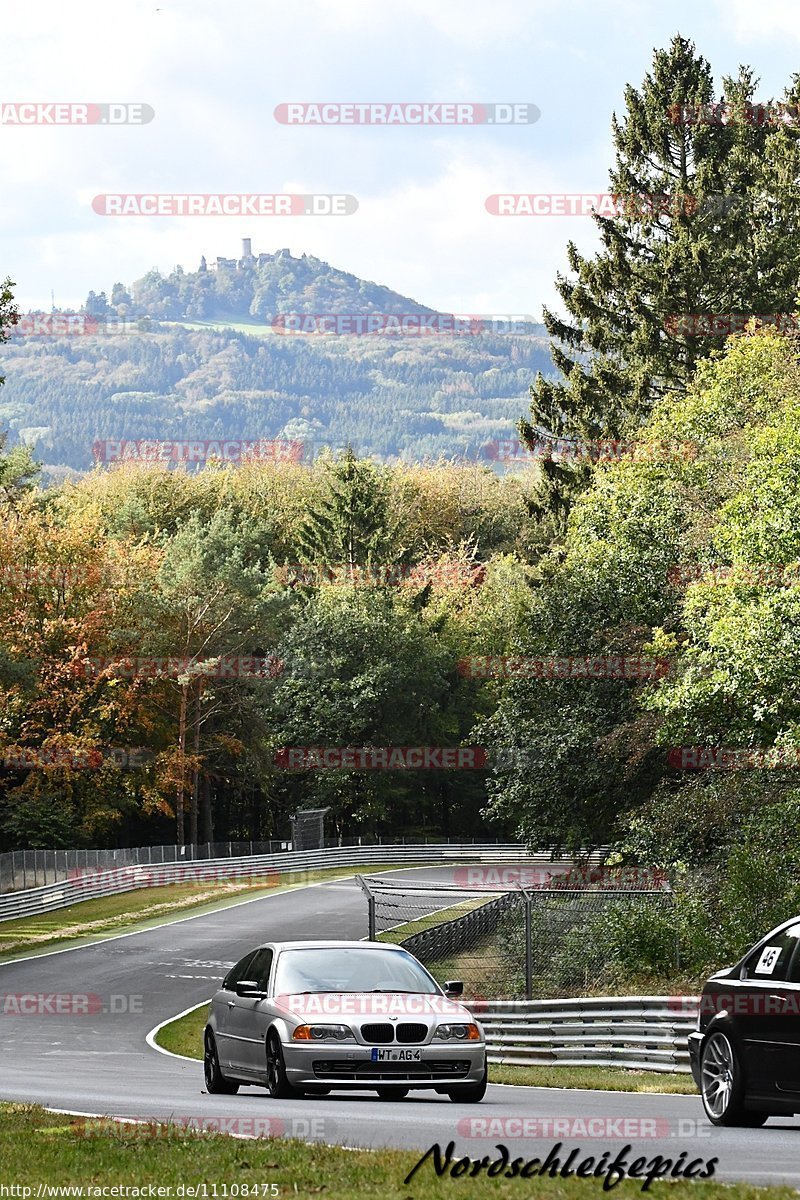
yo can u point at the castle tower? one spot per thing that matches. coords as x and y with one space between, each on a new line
246 248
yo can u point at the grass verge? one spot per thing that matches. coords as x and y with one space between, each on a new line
38 1147
609 1079
399 933
185 1036
126 911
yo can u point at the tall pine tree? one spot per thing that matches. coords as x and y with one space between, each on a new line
352 523
723 236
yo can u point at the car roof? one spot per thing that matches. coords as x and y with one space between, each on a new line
310 944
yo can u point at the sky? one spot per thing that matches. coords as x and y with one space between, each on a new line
214 73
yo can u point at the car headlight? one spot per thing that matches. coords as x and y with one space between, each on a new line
322 1033
459 1033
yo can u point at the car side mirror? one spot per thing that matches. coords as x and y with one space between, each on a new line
454 987
248 987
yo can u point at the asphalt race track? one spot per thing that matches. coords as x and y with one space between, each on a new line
98 1062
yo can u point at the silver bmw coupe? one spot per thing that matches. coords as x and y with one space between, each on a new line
306 1018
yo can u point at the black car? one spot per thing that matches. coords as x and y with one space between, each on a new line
745 1052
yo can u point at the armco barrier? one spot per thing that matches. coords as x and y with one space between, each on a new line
23 869
272 867
646 1033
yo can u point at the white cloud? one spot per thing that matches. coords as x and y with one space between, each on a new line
214 73
762 22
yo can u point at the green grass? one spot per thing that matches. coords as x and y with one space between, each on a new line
240 325
399 933
185 1036
126 911
611 1079
50 1148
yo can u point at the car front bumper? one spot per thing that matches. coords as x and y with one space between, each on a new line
695 1044
343 1066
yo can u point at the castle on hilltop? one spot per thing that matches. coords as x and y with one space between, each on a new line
248 259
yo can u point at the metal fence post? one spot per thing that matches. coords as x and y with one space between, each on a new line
677 933
362 883
527 899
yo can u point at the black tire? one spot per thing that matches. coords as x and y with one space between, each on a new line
278 1085
392 1092
722 1084
216 1083
470 1093
754 1120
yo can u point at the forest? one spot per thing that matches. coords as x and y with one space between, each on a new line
605 646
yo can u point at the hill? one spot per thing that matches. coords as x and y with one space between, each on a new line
206 355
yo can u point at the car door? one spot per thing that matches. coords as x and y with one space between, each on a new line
247 1021
787 1024
223 1008
761 1016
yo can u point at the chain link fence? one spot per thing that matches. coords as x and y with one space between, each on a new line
515 942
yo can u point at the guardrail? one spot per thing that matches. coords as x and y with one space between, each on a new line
646 1033
275 868
23 869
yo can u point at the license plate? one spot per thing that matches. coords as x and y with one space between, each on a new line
394 1055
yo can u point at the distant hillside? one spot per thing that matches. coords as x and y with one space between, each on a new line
206 365
253 287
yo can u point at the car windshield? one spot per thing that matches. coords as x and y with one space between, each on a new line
331 969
